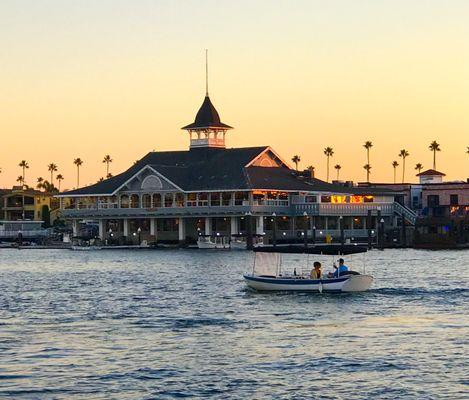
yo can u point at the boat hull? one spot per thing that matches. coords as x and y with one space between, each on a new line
348 283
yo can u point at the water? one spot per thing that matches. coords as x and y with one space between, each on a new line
175 324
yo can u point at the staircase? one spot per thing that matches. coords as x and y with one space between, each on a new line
409 215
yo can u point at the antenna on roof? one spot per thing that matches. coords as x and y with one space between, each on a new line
206 72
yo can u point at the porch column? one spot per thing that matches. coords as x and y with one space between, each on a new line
182 229
75 227
126 227
260 225
153 226
208 226
101 225
234 226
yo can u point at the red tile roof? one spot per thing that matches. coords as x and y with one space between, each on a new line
430 172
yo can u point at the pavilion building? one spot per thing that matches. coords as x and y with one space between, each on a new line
213 190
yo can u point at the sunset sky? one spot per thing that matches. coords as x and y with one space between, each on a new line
89 78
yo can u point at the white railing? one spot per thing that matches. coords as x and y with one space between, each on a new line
33 233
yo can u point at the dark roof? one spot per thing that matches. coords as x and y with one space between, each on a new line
431 172
196 169
288 179
204 169
207 117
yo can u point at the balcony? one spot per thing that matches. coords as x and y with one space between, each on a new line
357 209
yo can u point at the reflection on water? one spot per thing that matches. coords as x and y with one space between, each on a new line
166 324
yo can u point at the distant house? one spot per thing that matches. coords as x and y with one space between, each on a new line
22 203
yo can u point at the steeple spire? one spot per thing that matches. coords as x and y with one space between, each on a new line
209 130
206 72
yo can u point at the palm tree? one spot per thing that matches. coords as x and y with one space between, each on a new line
23 164
338 168
367 168
368 145
109 175
52 168
20 179
107 160
404 154
418 167
467 150
40 181
78 162
434 146
329 152
310 168
395 164
59 178
296 159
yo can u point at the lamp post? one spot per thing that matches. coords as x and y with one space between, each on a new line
342 231
249 239
110 234
139 231
381 233
305 215
274 229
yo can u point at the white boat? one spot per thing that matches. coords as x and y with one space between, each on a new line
213 242
267 276
346 283
86 248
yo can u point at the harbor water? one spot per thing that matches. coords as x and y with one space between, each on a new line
181 324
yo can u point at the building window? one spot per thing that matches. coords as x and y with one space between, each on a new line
453 200
325 199
156 200
146 201
179 199
240 198
134 201
311 199
192 200
226 198
433 200
124 201
168 200
203 200
215 199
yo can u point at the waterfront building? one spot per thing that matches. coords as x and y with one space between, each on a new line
23 203
210 189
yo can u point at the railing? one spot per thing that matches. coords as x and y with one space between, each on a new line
342 209
405 212
25 234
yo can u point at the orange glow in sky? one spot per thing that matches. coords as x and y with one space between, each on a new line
85 79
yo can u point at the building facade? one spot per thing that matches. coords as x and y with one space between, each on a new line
21 203
213 190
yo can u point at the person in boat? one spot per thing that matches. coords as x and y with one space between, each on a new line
316 271
340 270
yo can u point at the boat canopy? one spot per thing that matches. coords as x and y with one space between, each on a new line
326 249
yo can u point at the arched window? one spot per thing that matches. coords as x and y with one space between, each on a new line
151 182
134 201
146 201
156 200
124 201
168 200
